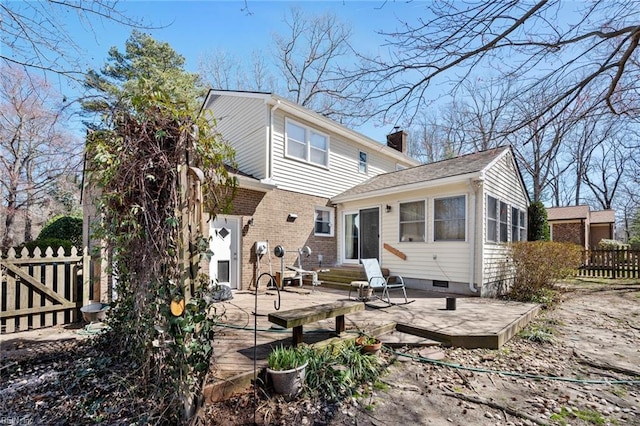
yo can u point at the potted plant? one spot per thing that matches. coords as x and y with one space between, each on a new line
287 369
369 344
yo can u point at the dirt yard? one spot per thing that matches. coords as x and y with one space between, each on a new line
590 343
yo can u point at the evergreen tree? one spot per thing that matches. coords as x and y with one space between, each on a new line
150 132
538 227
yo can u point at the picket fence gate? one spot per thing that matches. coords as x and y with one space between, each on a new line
44 289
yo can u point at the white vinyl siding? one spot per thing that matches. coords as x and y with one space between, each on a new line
502 183
451 262
243 122
342 173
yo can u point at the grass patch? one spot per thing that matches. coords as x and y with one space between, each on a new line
619 391
589 416
540 333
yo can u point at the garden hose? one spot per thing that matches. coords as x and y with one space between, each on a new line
512 373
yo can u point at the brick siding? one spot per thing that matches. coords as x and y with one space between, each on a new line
269 212
568 233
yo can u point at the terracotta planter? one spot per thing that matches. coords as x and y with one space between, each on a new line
368 348
288 382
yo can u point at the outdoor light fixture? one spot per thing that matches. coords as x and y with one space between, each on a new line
292 217
388 208
250 222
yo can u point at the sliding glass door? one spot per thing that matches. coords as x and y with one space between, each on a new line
361 237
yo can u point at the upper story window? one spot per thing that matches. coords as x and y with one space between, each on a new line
449 219
412 221
363 164
324 221
306 144
518 225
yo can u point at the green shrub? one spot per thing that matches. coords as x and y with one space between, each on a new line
537 225
335 371
64 228
607 244
539 265
54 243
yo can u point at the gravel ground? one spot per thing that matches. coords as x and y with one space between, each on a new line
590 343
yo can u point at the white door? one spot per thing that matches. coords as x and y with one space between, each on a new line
225 243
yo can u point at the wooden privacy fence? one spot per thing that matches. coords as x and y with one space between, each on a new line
618 263
40 291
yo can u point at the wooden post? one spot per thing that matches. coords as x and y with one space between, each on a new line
86 276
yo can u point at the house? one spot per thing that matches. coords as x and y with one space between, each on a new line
290 163
581 225
442 226
307 181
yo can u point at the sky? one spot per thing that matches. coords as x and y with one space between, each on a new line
195 28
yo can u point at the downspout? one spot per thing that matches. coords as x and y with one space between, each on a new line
474 185
270 144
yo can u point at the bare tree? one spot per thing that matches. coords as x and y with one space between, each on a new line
34 36
434 138
222 70
575 47
36 151
606 170
226 71
308 58
538 145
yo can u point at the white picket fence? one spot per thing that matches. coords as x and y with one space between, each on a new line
44 289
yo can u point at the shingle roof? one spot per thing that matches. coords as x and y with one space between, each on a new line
570 212
458 166
603 216
581 212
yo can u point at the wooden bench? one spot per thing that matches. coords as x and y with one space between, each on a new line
296 318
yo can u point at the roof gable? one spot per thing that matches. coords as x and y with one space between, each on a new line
458 167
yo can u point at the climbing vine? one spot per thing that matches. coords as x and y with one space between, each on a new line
135 155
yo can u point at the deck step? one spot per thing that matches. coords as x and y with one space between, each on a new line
396 339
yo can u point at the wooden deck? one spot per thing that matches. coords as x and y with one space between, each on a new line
239 351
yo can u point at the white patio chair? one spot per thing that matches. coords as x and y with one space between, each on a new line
377 281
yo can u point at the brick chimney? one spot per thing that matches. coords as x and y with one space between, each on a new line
398 140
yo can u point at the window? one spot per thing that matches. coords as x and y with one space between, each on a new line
504 224
412 221
306 144
324 221
492 218
352 236
518 225
497 220
362 165
449 219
